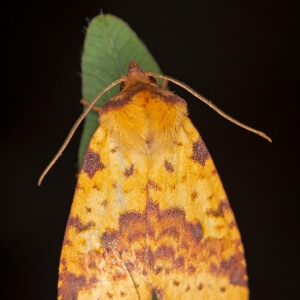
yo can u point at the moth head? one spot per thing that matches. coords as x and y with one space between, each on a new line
136 75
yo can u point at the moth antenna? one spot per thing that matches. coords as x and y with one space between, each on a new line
211 105
75 126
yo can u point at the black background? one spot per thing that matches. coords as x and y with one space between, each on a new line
240 54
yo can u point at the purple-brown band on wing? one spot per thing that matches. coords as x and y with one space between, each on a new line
91 163
233 267
200 152
125 96
169 167
160 227
76 223
219 212
129 171
72 284
156 225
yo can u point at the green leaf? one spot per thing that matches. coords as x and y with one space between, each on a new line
154 296
109 46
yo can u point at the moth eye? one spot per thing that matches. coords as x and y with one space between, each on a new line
122 85
152 79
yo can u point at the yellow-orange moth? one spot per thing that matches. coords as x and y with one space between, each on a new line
150 215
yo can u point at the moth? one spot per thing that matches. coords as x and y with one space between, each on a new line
150 217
